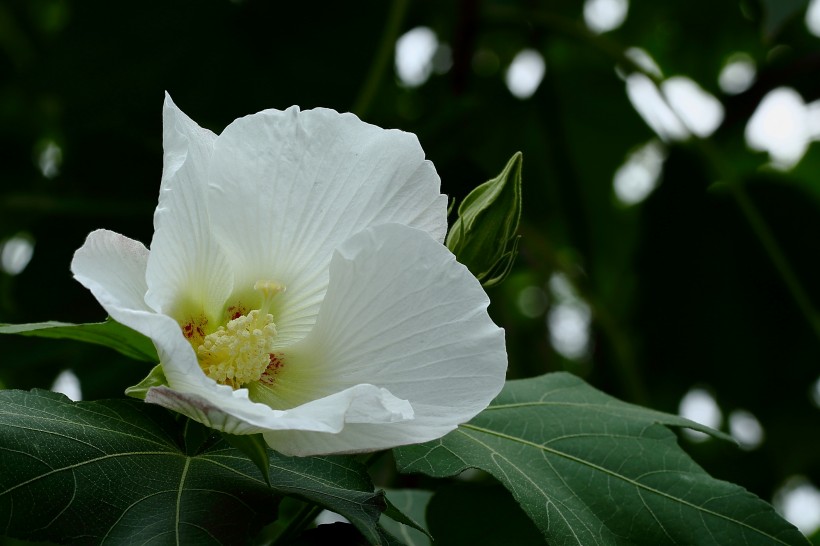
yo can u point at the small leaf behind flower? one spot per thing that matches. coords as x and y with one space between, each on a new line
155 378
405 516
110 334
401 515
590 469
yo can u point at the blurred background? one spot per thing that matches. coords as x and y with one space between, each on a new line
670 251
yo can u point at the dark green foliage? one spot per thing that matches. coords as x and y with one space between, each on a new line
122 471
590 469
681 291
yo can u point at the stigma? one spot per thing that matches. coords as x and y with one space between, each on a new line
241 351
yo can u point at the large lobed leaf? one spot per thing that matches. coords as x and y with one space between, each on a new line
124 472
110 334
589 469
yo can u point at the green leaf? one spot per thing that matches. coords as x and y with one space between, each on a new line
255 448
405 515
117 471
483 237
110 334
590 469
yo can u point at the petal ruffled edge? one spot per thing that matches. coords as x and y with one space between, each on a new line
235 414
113 267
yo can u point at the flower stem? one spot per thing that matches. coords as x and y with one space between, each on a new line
304 517
382 60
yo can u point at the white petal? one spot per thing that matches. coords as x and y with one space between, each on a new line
289 187
232 412
187 265
115 266
402 314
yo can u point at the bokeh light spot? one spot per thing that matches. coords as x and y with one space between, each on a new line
650 104
605 15
738 74
815 392
16 253
525 73
569 320
415 51
780 127
49 158
798 500
700 111
639 175
813 17
700 406
746 429
68 384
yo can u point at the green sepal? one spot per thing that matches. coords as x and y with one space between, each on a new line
503 267
155 378
254 446
483 237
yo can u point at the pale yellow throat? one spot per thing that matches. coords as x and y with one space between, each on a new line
241 352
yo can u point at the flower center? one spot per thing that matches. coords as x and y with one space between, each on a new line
241 351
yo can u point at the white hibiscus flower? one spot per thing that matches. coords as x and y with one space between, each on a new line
297 286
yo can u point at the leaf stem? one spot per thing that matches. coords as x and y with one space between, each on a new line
382 60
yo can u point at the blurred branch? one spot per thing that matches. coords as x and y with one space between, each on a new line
779 260
721 171
764 234
623 354
29 203
381 62
570 29
624 359
464 44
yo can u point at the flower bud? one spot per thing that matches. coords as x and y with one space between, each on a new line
484 236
